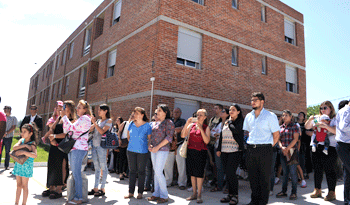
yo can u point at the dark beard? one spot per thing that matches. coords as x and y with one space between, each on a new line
255 108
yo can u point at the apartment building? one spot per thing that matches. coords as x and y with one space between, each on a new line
185 53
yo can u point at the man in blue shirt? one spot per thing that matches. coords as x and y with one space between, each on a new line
263 129
343 146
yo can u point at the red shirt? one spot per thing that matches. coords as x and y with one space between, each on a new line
2 117
196 140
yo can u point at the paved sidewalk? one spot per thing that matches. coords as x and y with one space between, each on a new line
116 189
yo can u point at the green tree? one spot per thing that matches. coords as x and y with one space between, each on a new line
313 110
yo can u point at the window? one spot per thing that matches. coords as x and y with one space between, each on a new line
59 89
57 62
71 50
67 85
117 12
111 63
189 48
234 60
41 94
263 15
64 56
291 79
53 92
42 79
82 82
263 65
234 4
201 2
289 32
87 41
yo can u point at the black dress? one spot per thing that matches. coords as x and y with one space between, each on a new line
54 164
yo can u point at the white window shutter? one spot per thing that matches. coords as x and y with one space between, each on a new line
289 29
291 75
189 45
118 9
111 58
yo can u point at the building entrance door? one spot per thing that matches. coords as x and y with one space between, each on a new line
188 107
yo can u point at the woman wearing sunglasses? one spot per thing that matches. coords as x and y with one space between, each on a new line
322 161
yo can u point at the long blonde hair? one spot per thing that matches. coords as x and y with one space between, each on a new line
86 106
330 105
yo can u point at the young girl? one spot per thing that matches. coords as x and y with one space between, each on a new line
25 171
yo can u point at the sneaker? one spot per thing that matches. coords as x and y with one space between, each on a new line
277 180
313 149
190 189
303 184
325 152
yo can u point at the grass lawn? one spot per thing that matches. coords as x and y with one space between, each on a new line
42 151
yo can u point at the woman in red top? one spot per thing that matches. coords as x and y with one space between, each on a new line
199 137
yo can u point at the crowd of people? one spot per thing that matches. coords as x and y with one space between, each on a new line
218 150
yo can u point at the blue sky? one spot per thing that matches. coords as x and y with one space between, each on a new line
35 29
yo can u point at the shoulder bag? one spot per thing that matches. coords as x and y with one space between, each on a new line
183 149
125 141
19 158
109 140
68 142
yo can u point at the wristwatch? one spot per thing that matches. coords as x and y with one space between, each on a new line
54 136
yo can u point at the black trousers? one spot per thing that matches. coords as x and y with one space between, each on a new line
121 163
137 166
343 150
327 164
230 162
259 163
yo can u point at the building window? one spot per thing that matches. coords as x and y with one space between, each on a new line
59 89
289 31
291 79
111 63
87 41
41 94
117 12
263 14
263 65
53 92
201 2
189 48
57 62
67 85
71 50
82 82
64 56
234 60
234 4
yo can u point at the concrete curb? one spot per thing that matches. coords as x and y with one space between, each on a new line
36 164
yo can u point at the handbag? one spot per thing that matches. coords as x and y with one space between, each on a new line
19 158
183 149
292 156
68 142
109 140
173 145
125 142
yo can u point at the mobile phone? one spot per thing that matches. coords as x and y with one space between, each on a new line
64 106
194 119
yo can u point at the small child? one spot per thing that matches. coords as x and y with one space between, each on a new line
321 134
25 171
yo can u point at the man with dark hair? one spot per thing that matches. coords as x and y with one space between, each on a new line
33 117
342 104
263 129
2 123
343 146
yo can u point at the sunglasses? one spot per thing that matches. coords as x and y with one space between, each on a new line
33 108
155 113
323 108
223 111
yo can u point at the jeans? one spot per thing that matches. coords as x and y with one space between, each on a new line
75 158
149 174
169 168
158 161
343 150
7 144
99 157
273 174
181 168
289 169
137 165
219 170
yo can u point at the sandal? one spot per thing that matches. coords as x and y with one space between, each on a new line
161 200
234 200
226 199
139 196
99 193
152 198
46 193
281 195
128 196
121 177
92 192
199 201
293 197
215 189
192 197
55 195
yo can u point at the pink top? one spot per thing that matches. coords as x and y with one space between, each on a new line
2 117
196 140
80 126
